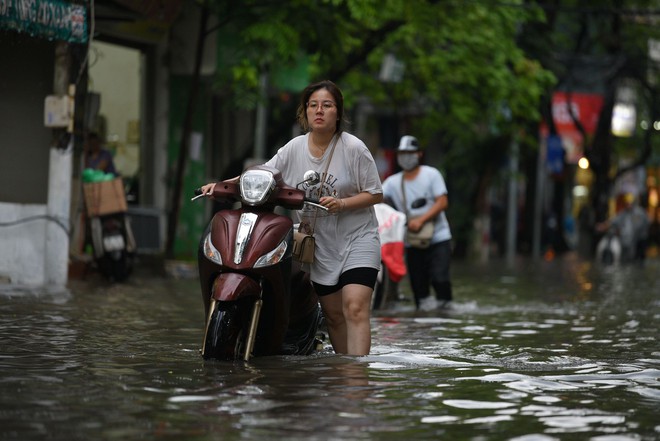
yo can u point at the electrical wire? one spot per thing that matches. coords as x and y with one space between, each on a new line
47 217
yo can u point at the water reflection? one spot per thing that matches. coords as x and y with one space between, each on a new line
550 351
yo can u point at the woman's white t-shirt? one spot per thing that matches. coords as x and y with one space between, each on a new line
349 239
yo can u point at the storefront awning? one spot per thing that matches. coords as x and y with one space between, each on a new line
146 21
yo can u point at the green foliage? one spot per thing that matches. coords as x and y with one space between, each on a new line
462 67
462 63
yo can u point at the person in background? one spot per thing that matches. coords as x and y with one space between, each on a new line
631 225
425 201
96 157
347 257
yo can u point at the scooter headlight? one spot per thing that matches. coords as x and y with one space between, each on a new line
273 257
211 252
256 186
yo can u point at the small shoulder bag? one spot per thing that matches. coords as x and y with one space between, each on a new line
422 238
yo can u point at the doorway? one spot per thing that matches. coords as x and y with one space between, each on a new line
116 97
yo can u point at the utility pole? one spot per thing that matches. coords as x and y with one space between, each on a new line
539 196
512 203
262 119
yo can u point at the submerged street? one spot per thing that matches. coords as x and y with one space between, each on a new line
537 351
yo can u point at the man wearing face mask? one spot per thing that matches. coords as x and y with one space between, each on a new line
421 193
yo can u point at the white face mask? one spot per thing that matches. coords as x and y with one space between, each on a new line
408 161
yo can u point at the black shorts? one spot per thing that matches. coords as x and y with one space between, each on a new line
361 276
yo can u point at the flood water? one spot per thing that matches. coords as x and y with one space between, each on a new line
558 350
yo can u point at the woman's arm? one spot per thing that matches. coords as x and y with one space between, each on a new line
360 200
208 188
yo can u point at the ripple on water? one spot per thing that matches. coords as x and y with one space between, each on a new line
472 404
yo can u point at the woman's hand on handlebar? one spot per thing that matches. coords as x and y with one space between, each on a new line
334 205
207 189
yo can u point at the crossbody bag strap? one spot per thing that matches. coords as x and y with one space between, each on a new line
324 175
403 196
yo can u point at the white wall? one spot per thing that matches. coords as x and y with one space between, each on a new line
26 78
22 258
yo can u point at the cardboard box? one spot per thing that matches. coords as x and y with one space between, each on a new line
105 197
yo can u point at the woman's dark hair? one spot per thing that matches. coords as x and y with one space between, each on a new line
331 87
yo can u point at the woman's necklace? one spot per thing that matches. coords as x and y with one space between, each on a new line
320 149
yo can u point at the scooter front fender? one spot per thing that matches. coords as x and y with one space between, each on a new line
229 287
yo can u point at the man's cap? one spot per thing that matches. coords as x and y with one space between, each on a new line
408 144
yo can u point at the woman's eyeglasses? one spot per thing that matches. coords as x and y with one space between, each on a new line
325 105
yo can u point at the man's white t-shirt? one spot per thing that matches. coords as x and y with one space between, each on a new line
427 185
347 240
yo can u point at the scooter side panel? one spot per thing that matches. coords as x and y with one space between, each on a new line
269 230
267 234
228 287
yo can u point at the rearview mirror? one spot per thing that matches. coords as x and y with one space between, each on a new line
310 178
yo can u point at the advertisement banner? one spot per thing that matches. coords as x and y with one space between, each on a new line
51 19
586 109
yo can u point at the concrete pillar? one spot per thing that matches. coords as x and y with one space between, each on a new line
56 265
57 229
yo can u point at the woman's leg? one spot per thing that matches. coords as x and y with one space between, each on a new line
347 313
333 313
357 310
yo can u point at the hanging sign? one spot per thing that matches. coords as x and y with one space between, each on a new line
52 19
565 106
555 155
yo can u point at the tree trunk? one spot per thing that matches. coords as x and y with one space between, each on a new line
600 156
175 203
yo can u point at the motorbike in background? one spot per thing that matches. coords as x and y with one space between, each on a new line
257 300
109 230
609 250
113 245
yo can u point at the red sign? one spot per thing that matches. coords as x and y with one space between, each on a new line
586 109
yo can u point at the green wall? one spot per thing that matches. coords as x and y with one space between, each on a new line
192 219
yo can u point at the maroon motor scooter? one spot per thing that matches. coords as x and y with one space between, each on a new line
257 301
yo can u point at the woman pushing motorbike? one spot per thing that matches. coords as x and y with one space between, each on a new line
347 256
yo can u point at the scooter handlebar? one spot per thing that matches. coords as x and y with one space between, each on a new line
223 191
315 203
198 194
228 189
